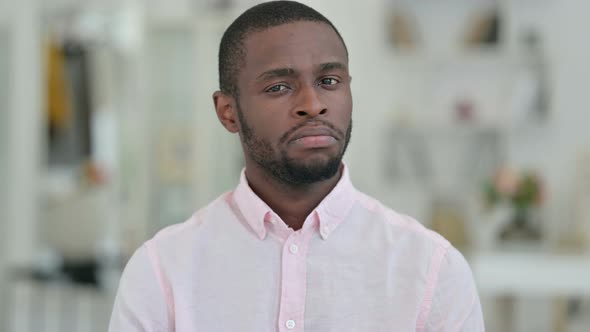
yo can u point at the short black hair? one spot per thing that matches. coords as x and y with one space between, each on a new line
258 18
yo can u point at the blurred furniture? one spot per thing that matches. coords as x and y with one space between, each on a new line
531 274
75 223
54 307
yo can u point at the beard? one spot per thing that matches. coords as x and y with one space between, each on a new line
281 167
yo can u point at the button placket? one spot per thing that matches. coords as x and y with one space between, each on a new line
294 279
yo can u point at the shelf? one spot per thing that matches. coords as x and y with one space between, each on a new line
448 130
476 60
501 273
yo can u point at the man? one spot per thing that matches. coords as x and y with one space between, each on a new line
295 247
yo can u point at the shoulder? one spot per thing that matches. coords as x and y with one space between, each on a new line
418 249
402 225
185 236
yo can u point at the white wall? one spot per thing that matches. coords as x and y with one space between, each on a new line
24 121
4 95
4 99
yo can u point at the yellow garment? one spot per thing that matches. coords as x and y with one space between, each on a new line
59 110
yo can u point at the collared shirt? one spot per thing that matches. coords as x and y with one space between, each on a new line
355 265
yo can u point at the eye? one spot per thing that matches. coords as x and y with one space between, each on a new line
329 81
277 88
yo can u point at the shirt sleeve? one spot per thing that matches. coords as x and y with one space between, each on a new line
455 303
141 303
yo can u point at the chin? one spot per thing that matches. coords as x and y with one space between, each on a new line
316 159
310 157
313 169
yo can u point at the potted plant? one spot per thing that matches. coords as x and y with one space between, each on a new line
524 193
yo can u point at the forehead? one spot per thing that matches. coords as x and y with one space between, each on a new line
298 45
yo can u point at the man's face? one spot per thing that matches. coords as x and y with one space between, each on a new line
295 104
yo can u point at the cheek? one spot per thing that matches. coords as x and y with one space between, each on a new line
264 127
270 116
342 109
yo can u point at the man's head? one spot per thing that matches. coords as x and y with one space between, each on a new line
285 87
261 17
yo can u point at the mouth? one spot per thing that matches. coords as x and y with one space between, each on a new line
314 138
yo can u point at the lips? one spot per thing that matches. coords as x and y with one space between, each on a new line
314 138
313 132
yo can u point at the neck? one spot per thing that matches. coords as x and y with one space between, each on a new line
292 203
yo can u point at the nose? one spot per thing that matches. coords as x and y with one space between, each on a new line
309 104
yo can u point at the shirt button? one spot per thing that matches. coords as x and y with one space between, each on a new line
293 249
290 324
325 230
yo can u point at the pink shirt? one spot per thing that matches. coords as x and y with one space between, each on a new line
354 266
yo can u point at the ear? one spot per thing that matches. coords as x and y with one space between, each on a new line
226 111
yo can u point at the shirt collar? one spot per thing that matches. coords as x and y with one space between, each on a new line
331 211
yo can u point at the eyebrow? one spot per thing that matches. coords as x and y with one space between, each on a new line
331 66
274 73
286 72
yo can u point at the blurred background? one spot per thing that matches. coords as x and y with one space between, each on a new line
469 115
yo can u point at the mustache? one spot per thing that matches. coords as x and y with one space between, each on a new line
314 122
